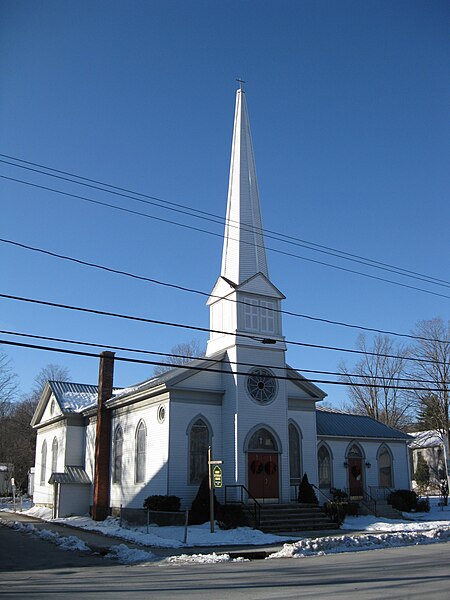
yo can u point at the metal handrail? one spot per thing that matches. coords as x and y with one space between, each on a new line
256 504
320 492
368 500
385 491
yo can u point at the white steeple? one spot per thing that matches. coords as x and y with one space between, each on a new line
244 252
244 304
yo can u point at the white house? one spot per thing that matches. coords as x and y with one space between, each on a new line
259 415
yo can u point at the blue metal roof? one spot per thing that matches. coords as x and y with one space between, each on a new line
339 424
74 397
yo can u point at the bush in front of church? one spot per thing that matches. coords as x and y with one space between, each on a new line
162 503
306 494
199 512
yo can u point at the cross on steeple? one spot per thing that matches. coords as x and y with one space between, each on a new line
241 83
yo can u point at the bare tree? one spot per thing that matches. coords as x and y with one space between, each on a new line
374 382
19 437
8 394
50 372
182 354
432 372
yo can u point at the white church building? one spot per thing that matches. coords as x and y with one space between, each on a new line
102 448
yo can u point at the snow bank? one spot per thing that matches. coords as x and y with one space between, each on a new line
348 543
129 556
70 542
173 536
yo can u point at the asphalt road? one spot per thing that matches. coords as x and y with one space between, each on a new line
32 568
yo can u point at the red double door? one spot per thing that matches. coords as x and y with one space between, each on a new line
263 475
355 477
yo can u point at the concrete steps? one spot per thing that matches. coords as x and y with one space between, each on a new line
387 511
293 517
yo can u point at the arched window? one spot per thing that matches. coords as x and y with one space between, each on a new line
141 444
385 468
198 451
355 452
262 439
52 407
295 467
43 461
324 464
54 455
118 451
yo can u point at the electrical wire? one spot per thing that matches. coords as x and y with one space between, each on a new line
198 229
203 358
210 370
208 295
218 219
257 338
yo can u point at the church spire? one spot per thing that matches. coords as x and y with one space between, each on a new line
244 252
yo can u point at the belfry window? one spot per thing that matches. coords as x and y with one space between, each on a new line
259 315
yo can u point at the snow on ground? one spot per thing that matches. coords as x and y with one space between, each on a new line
417 521
129 556
70 542
22 503
354 543
173 536
166 537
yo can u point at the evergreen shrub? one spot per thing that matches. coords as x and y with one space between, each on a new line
163 503
403 500
306 493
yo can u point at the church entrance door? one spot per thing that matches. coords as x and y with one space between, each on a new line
355 477
263 476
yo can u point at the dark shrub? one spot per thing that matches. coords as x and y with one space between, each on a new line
306 494
403 500
339 495
337 511
199 512
423 505
162 503
352 509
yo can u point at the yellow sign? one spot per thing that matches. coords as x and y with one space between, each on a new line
217 476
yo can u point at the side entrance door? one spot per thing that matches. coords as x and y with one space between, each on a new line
263 475
355 477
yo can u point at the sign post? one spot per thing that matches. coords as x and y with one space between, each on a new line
214 480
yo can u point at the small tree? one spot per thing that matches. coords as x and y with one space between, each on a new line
422 473
306 494
181 354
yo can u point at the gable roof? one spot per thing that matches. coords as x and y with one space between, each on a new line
426 439
172 376
72 399
334 423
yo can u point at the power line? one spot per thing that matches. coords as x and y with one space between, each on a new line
208 369
207 295
199 229
189 210
203 358
207 330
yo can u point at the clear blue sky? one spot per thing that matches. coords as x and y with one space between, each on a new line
348 104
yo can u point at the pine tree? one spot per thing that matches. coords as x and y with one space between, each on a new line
306 494
422 473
